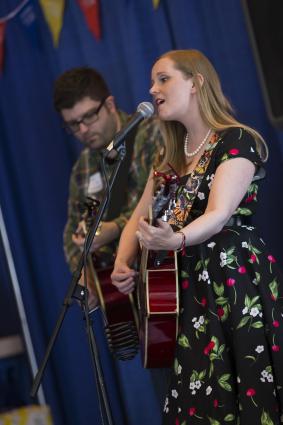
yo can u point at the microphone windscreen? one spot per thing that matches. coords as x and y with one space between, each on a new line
146 109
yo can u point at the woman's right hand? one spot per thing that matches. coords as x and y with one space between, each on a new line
123 277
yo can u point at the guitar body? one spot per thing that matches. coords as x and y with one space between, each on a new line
158 308
119 313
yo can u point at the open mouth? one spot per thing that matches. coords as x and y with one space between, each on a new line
159 102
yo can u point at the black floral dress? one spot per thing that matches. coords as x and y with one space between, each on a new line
228 367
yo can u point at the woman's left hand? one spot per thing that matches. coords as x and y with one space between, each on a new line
157 238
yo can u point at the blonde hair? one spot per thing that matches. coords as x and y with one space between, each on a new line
215 109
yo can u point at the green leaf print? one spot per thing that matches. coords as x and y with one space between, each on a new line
229 418
243 211
183 341
176 365
257 325
265 419
218 289
273 286
213 421
216 342
206 263
184 274
221 301
249 302
224 157
184 423
202 375
198 266
222 381
230 251
243 322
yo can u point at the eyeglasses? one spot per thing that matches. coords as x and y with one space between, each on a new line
87 119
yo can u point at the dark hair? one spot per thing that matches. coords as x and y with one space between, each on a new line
77 83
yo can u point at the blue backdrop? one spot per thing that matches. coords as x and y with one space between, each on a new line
37 156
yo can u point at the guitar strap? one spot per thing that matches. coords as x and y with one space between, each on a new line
180 215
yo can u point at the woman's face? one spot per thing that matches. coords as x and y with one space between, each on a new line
170 90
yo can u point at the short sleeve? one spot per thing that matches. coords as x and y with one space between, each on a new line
237 143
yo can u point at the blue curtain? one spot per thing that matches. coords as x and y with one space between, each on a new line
37 156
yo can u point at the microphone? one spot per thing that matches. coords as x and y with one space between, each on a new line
144 110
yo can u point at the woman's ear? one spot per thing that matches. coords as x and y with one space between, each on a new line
200 81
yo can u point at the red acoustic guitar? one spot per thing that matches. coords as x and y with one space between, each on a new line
158 296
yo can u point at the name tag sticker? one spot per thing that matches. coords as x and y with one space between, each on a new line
95 183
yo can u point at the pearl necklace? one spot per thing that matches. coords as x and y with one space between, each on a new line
186 141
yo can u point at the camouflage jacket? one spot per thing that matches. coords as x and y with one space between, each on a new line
86 180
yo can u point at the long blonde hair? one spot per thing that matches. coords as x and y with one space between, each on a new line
215 109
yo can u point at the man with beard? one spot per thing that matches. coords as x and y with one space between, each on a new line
89 112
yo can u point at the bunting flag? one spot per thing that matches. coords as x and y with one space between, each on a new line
2 38
91 11
53 11
27 18
155 3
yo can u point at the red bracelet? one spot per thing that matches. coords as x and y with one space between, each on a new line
183 243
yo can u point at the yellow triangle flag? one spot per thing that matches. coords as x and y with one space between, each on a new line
53 11
155 3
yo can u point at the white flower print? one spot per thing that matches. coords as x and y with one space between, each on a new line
245 310
192 385
211 245
248 227
174 393
210 179
197 384
254 311
205 275
201 320
259 349
238 379
166 408
179 370
264 373
197 325
179 409
208 390
223 258
194 319
245 245
270 378
200 195
252 149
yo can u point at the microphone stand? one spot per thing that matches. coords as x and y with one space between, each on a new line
98 372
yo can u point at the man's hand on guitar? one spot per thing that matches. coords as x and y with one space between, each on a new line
158 238
107 231
123 278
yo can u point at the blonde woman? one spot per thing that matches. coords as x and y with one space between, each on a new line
228 364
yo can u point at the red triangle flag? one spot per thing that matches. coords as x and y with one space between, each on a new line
2 39
91 11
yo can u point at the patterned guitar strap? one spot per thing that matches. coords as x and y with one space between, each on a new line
178 210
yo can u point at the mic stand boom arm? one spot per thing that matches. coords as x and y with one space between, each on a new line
102 394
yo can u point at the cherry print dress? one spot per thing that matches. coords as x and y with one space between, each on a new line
228 367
